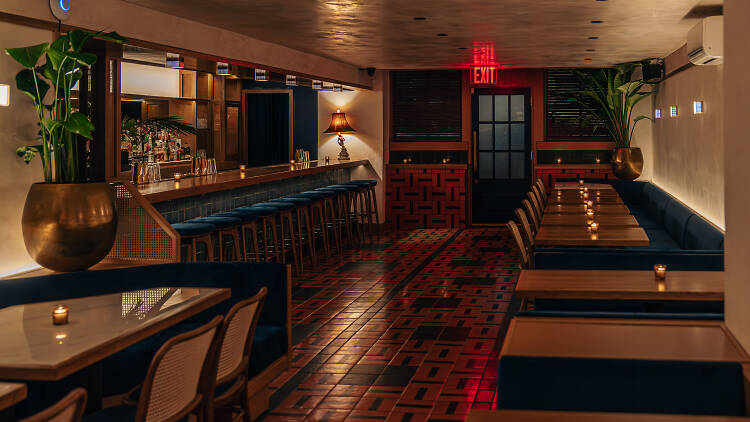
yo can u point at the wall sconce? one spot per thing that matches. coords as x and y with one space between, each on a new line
222 69
673 112
291 80
4 95
340 125
261 75
657 113
559 160
338 88
697 107
175 61
317 85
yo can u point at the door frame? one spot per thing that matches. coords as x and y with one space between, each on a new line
528 91
243 129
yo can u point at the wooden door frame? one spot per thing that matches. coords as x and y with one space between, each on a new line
243 132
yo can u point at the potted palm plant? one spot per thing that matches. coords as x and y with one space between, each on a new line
68 223
610 96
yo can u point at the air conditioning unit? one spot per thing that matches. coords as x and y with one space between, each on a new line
705 44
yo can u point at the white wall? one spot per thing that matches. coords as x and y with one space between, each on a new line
18 127
737 161
688 150
643 137
364 112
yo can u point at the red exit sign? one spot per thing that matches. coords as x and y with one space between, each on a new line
484 75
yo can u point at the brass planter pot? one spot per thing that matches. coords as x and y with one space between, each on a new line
627 163
69 227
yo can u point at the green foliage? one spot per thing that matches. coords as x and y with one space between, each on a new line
60 124
132 128
614 96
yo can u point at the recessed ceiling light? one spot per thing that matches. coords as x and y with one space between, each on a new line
597 21
463 48
593 38
591 49
442 35
420 18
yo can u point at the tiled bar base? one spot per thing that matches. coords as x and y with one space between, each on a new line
180 210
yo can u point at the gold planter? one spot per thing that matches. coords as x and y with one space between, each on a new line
69 227
627 163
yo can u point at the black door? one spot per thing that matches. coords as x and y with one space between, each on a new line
267 129
502 152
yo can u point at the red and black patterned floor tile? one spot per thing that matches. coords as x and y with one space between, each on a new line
405 328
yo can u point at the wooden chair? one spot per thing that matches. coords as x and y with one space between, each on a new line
536 207
542 189
234 357
532 214
69 409
526 227
521 245
178 383
540 196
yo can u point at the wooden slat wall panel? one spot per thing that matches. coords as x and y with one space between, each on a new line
426 106
565 117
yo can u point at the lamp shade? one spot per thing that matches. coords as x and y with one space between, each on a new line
339 123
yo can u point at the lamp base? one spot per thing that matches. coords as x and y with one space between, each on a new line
344 154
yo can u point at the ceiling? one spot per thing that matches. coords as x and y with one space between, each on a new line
525 33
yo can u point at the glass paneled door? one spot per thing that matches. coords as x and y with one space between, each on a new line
502 153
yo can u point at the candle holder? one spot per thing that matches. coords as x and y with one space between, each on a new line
559 161
585 195
660 271
585 189
177 177
590 214
60 315
598 160
328 159
406 161
291 161
594 227
580 183
243 167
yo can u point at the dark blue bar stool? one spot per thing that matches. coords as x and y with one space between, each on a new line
228 233
302 211
369 198
350 210
285 222
249 233
193 233
268 226
342 204
323 203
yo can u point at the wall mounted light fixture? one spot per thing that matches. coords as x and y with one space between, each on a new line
698 107
317 85
223 69
175 61
4 95
338 88
291 80
657 113
673 112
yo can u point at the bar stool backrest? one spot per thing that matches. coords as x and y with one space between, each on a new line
532 214
519 241
237 337
69 409
526 226
181 373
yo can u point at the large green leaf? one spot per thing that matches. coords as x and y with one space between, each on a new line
111 36
25 83
58 58
79 38
28 153
27 56
79 124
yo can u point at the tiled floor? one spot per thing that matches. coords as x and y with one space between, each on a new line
406 328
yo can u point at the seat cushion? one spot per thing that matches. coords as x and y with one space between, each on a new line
269 344
655 200
325 193
343 186
334 189
313 196
194 228
113 414
660 239
281 206
219 222
362 182
245 216
297 201
262 211
701 235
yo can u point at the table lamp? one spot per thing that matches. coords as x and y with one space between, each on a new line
340 125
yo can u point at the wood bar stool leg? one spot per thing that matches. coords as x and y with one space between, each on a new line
310 235
286 216
374 198
329 210
317 207
236 236
254 231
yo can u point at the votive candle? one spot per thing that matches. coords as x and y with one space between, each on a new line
660 271
585 195
559 161
594 227
242 167
598 160
177 177
580 182
60 315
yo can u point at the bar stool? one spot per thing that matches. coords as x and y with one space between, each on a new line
225 227
268 219
351 210
285 222
249 231
368 196
193 233
302 209
341 205
323 202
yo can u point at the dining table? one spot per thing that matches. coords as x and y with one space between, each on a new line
564 416
620 285
35 349
577 186
579 199
581 208
11 393
580 220
606 236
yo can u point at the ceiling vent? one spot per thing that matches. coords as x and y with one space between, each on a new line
705 44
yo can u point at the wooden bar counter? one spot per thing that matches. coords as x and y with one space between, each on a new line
192 186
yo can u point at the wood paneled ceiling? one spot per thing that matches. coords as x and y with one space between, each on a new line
525 33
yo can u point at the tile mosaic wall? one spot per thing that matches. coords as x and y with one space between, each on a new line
184 209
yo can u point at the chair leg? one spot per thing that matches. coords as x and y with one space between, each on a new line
374 199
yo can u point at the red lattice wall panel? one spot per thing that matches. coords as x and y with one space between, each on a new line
549 177
426 198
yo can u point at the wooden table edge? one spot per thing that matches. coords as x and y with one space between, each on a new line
75 364
15 396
